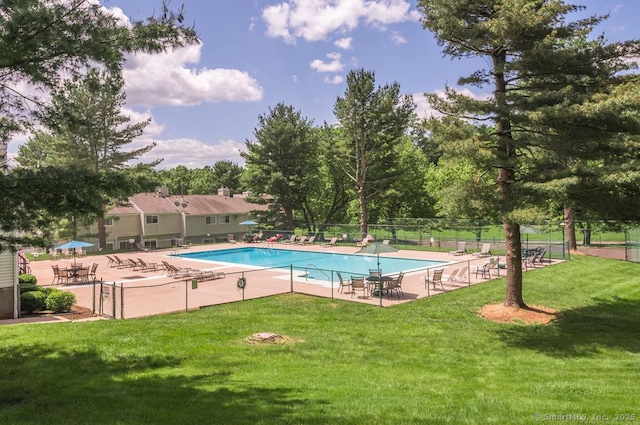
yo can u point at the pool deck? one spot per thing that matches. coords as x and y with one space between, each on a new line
157 293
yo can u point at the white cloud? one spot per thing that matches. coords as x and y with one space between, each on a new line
344 43
164 79
194 153
336 79
315 20
334 66
397 38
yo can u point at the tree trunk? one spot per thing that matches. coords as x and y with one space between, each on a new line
505 181
289 219
102 233
513 295
363 212
570 228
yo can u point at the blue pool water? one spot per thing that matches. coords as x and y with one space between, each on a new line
357 264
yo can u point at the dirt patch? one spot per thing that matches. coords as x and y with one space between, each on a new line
530 315
76 313
270 338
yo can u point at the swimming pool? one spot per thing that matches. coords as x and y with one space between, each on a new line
311 262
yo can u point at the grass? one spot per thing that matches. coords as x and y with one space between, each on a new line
432 361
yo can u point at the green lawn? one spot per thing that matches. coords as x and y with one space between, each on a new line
427 362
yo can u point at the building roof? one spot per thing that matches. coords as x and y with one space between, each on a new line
152 203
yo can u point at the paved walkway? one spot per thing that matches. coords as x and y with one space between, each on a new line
153 292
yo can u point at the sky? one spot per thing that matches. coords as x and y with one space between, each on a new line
204 100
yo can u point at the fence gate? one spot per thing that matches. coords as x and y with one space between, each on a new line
107 303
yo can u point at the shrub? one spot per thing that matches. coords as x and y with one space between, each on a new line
60 301
32 301
28 288
27 279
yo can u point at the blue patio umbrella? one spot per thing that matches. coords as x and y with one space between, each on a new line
73 245
248 223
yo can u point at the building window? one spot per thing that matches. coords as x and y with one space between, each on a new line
152 219
225 219
210 220
108 221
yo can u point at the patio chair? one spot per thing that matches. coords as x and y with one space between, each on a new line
56 275
343 284
92 272
462 249
82 275
393 285
484 252
231 238
485 269
435 279
63 276
357 284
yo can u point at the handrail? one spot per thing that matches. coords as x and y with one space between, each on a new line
313 266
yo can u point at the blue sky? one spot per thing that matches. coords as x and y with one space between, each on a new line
204 100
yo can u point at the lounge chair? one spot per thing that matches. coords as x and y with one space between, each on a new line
183 244
292 239
462 274
275 238
173 271
365 241
301 241
231 238
120 263
144 266
332 242
385 242
140 247
484 252
310 241
112 262
451 277
462 249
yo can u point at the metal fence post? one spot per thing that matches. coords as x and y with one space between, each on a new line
121 301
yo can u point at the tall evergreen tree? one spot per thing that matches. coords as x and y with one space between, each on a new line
282 161
86 114
542 75
372 121
40 43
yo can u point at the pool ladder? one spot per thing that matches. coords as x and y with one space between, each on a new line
314 267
